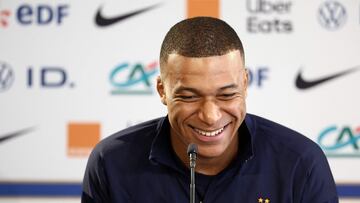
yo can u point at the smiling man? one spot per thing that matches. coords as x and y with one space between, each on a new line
205 97
241 157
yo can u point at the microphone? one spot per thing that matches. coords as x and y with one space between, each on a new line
192 151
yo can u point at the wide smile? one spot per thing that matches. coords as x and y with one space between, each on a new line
209 135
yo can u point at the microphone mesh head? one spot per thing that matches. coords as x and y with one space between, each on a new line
192 148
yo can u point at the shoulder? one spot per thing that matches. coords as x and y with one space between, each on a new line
128 142
281 139
292 157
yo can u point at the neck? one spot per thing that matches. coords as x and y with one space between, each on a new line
207 165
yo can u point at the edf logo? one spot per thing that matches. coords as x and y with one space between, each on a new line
133 79
258 75
40 14
340 141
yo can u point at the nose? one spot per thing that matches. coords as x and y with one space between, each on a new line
209 112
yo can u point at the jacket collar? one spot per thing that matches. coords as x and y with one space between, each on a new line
163 153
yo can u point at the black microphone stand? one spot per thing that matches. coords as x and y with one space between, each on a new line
192 152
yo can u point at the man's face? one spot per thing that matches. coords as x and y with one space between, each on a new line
205 98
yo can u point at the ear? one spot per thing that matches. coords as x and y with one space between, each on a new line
245 80
161 89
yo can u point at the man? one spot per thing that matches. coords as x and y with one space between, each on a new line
241 157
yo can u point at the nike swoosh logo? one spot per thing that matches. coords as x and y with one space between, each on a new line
9 136
301 83
103 21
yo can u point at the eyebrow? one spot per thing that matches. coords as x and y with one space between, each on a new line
181 89
190 89
231 86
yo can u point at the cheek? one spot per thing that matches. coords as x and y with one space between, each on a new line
236 108
179 112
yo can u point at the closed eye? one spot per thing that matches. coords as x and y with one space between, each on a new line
187 98
228 96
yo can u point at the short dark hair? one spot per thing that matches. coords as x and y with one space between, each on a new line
200 37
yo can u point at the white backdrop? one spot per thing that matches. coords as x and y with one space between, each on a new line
56 64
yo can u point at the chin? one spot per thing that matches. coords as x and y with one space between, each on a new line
210 152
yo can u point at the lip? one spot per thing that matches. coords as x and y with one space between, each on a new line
210 139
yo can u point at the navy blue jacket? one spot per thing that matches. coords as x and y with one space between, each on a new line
274 165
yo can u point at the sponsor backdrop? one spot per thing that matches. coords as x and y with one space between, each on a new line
74 72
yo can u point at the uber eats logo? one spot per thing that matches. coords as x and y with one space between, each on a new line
340 141
267 16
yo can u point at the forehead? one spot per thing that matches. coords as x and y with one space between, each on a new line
204 72
178 64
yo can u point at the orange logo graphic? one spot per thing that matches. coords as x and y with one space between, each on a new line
203 8
82 137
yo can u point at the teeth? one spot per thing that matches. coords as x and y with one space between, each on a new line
209 134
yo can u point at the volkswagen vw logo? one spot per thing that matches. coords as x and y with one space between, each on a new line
332 15
6 76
